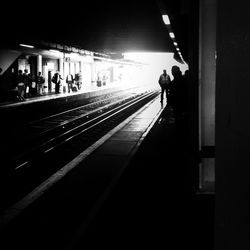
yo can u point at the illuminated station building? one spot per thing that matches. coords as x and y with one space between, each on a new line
49 58
119 69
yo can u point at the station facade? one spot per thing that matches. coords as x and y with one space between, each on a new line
95 69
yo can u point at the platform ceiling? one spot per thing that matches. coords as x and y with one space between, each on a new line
104 26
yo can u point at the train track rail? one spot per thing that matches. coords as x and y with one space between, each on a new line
69 133
45 131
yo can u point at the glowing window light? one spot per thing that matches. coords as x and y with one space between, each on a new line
166 19
154 63
26 45
53 50
56 53
171 34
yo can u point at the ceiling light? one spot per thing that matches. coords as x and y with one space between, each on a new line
26 45
166 19
171 34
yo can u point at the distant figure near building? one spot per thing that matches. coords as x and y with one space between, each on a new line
99 80
56 79
20 85
104 80
39 82
13 90
164 82
26 81
32 85
70 82
78 80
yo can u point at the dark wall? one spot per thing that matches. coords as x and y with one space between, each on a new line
232 186
193 90
8 80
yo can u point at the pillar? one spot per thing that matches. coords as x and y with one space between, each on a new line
39 64
207 72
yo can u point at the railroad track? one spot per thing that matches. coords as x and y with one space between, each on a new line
69 133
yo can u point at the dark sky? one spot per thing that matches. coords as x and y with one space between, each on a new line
115 26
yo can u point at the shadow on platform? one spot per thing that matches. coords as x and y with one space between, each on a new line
153 205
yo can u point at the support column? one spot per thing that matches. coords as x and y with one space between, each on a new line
61 67
39 64
207 69
62 73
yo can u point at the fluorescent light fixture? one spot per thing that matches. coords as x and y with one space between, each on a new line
177 49
26 45
166 19
171 34
175 44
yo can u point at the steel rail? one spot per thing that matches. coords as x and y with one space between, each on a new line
71 133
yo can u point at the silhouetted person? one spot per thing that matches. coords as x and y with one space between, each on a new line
32 85
164 82
20 85
179 96
26 81
39 82
99 81
78 80
57 80
70 82
104 80
13 86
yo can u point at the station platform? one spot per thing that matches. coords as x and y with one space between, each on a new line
132 188
87 93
